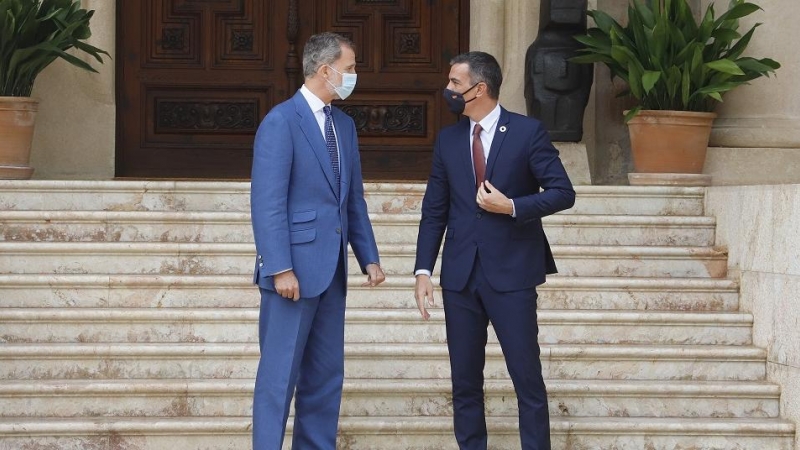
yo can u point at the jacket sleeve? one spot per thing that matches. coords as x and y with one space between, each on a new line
361 235
557 191
435 211
269 191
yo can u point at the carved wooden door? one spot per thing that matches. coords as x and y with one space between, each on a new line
195 78
403 50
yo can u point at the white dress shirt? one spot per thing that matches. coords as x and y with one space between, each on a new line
316 106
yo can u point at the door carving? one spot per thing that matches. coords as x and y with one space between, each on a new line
195 78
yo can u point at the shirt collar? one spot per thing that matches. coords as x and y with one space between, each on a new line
313 101
489 122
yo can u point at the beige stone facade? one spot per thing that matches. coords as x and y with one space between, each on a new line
756 141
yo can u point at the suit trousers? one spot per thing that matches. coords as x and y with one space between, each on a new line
302 347
513 316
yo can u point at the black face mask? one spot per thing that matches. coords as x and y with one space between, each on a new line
455 101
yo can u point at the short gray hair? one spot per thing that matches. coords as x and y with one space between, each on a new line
321 49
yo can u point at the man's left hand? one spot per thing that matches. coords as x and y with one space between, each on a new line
375 275
494 200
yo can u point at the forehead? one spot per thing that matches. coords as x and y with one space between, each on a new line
348 56
459 72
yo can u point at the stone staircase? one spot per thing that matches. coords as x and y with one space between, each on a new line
128 322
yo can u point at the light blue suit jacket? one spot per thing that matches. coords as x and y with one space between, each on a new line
300 221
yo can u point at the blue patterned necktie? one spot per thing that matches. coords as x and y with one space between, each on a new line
330 144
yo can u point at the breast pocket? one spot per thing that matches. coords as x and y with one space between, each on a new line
304 216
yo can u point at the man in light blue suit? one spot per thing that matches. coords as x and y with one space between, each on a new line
307 204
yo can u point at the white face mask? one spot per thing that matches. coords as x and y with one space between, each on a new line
348 84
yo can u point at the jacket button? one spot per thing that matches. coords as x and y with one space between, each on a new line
478 215
338 231
260 264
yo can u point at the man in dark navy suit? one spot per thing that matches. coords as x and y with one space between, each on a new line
495 175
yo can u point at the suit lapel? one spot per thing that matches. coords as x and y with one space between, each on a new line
465 143
500 132
342 135
310 127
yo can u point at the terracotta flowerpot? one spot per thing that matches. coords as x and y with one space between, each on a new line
17 116
670 141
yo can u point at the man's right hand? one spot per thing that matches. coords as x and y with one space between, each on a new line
423 292
286 285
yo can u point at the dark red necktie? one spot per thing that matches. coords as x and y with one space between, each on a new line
478 159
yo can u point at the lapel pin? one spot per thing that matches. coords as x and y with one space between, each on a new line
503 128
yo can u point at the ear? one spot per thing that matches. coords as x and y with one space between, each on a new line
482 89
323 71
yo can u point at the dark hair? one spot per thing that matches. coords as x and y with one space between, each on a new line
321 49
482 68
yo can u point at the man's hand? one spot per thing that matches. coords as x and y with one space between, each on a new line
375 275
494 200
423 292
286 285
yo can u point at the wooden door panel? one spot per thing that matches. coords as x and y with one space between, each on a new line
403 48
195 78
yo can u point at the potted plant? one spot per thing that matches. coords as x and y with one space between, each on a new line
678 69
33 34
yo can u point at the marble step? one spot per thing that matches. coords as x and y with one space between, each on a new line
228 259
234 291
379 361
596 261
135 226
373 398
118 325
392 198
398 433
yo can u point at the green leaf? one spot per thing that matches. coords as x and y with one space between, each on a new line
725 35
632 113
649 80
737 12
686 86
645 14
635 80
725 66
603 21
738 48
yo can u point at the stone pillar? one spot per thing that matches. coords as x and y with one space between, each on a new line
75 127
756 138
609 152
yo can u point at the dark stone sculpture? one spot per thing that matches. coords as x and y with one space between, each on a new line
556 90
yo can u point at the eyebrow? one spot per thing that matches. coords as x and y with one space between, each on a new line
455 80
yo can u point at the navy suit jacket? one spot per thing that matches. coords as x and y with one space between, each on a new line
514 252
300 221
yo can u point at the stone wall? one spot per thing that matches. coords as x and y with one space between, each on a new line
758 225
756 138
75 127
